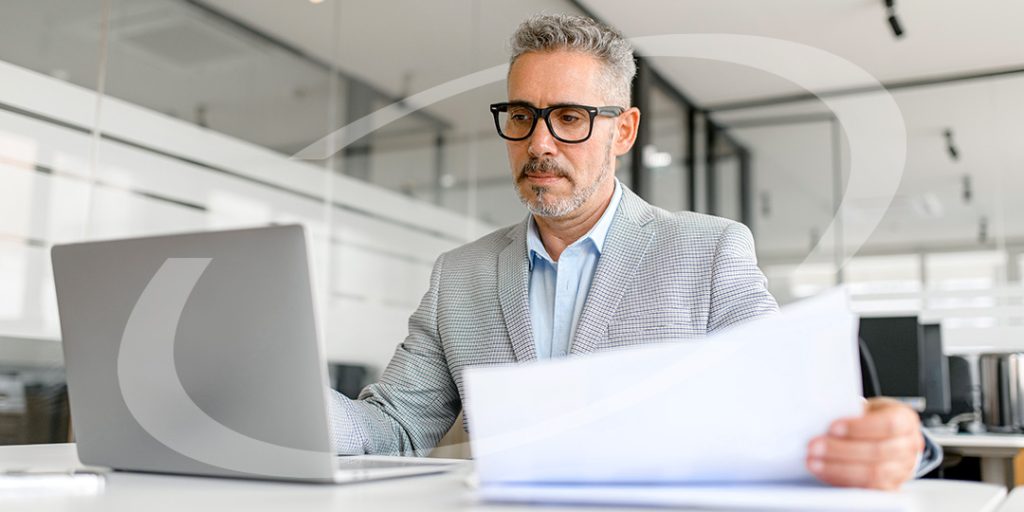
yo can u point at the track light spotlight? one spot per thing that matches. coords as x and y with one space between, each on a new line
894 22
967 192
954 153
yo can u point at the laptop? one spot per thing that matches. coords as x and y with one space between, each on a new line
198 354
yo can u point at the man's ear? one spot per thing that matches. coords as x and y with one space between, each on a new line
627 124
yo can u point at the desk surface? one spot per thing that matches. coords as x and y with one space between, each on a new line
978 440
134 491
1014 502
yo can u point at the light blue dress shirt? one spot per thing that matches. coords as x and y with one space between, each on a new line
559 289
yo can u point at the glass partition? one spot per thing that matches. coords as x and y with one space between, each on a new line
664 155
127 118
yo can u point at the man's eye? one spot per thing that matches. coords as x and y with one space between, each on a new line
569 118
520 115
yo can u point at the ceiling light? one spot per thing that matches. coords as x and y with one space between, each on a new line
654 159
316 1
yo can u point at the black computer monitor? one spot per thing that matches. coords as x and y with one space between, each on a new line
893 342
909 361
961 387
934 370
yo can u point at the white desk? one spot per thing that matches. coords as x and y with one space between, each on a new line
133 492
1014 502
1002 455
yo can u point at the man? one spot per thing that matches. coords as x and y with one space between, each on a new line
592 267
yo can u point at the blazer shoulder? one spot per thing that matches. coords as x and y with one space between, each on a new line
482 249
695 224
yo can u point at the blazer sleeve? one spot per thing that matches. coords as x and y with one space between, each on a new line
930 458
739 290
415 401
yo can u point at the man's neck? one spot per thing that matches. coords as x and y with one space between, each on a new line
559 233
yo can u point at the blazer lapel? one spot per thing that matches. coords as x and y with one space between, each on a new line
623 250
514 294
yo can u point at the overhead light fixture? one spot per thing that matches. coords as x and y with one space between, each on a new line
967 192
894 22
316 1
983 230
954 153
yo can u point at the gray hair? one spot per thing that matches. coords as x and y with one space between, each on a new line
552 32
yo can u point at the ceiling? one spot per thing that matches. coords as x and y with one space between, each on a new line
434 42
941 37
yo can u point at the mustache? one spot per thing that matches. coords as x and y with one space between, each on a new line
537 166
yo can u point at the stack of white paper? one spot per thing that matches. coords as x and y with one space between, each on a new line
787 498
736 408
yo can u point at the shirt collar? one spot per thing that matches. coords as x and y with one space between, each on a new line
596 235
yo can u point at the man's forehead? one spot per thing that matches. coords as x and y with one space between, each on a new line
558 77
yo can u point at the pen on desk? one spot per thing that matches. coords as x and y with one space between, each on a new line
27 482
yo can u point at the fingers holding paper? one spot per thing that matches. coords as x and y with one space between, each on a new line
878 450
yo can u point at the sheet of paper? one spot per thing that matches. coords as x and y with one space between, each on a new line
739 406
742 497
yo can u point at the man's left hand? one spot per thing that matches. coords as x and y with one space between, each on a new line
878 450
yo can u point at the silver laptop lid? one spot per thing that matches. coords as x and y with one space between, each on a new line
195 353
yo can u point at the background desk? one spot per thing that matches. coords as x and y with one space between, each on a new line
134 492
1002 455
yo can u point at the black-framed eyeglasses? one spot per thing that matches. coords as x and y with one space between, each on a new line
567 123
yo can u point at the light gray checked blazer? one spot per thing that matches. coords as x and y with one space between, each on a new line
660 276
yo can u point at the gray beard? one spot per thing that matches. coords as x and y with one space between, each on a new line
568 205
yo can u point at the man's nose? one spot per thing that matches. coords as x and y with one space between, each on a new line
541 141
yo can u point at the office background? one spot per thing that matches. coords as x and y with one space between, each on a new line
127 118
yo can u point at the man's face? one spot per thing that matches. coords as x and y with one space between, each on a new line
554 178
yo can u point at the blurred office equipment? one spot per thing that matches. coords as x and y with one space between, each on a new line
964 393
347 379
1002 391
908 361
961 387
934 370
33 406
